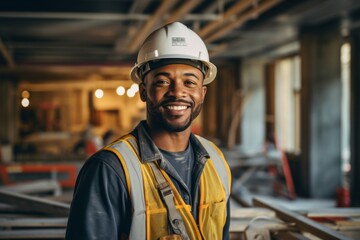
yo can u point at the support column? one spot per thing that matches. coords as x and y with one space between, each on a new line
8 111
252 124
355 119
321 110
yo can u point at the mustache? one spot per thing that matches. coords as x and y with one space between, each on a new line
174 100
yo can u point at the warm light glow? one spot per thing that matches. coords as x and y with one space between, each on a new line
130 92
25 102
25 94
99 93
135 87
120 91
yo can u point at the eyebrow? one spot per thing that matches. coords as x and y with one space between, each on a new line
166 74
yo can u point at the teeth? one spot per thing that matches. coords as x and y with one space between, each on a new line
177 108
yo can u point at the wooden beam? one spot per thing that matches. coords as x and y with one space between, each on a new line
33 222
237 8
289 235
149 25
261 222
303 223
34 203
238 213
242 19
6 54
183 10
218 49
38 186
334 212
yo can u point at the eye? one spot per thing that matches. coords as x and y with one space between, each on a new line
161 82
190 82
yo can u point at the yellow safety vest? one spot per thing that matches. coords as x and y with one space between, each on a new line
150 220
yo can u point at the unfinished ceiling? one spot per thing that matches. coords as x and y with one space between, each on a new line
46 40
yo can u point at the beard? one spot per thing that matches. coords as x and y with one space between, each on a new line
159 120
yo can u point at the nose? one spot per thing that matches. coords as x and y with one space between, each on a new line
176 89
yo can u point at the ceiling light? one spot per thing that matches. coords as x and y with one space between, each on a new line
25 94
25 102
135 87
99 93
120 91
130 92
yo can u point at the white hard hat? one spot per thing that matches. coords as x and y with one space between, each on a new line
173 43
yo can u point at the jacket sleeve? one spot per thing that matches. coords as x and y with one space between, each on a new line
101 207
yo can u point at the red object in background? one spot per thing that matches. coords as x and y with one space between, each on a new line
291 194
90 148
343 197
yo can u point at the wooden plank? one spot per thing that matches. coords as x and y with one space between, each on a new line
240 225
251 213
38 186
301 222
33 222
333 212
289 235
33 234
36 204
7 210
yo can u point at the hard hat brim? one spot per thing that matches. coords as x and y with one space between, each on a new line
208 78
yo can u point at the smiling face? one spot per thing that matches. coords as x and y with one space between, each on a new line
174 96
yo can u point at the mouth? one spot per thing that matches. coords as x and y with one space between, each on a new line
176 107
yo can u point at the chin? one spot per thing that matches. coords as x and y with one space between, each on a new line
175 127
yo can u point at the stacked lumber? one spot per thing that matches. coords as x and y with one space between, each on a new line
25 216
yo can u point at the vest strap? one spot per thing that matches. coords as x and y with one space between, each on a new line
167 196
218 163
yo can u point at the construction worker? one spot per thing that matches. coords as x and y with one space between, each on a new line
160 181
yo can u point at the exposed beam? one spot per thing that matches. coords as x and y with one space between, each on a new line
218 49
237 8
64 86
253 13
99 16
150 24
6 54
138 6
183 10
211 7
33 222
74 16
301 222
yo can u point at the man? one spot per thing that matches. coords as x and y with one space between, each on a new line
160 181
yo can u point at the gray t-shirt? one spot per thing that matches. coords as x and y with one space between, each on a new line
183 163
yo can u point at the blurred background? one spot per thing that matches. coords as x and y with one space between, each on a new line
285 106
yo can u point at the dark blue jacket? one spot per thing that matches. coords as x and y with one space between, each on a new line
101 207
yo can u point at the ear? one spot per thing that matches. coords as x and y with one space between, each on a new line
142 90
204 90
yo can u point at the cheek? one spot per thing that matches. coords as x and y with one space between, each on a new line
199 96
154 96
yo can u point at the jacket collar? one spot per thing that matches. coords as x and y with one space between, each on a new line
149 152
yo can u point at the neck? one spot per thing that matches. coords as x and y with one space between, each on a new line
170 141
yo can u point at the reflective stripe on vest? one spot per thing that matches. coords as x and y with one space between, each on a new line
132 170
221 167
126 150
